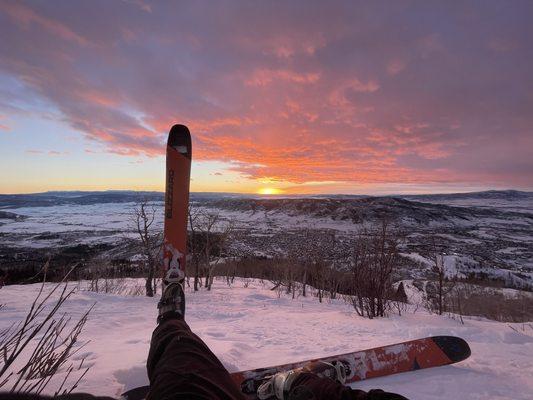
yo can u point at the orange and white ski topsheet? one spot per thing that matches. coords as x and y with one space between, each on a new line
179 155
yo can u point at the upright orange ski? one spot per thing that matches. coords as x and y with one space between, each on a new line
179 155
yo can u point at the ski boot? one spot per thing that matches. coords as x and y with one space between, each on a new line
279 385
172 303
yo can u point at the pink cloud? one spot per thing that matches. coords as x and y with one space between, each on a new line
339 96
395 67
502 45
303 97
3 126
25 16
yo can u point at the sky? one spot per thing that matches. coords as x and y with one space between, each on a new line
363 97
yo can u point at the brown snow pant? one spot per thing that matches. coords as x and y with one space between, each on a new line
181 366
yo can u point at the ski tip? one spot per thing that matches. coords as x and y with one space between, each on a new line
455 348
179 138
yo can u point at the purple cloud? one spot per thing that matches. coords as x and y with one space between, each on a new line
405 91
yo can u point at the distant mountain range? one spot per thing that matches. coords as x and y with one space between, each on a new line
128 196
508 195
80 198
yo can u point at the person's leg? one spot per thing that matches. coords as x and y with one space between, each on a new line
181 366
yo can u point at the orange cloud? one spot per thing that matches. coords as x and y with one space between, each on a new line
327 160
283 95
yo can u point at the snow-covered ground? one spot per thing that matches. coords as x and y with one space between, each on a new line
250 327
480 231
67 224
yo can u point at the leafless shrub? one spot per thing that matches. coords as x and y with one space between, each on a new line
151 240
374 258
136 290
399 307
415 307
313 270
524 328
194 251
117 286
475 300
283 274
207 241
56 340
439 290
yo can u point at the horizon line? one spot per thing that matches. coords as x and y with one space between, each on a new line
276 195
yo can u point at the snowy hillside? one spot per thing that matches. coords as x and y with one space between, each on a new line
489 234
249 326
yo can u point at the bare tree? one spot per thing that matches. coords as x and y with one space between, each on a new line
143 217
374 258
207 226
332 277
307 258
319 271
439 269
312 251
193 215
288 273
438 293
209 236
325 278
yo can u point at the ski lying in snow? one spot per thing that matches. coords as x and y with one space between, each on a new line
415 354
179 154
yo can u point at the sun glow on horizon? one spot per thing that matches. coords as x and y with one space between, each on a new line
269 191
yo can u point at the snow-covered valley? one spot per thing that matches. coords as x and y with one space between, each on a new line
248 326
486 235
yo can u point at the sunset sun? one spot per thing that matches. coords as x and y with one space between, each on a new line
269 191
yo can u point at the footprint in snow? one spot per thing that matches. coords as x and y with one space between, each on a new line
216 334
89 355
